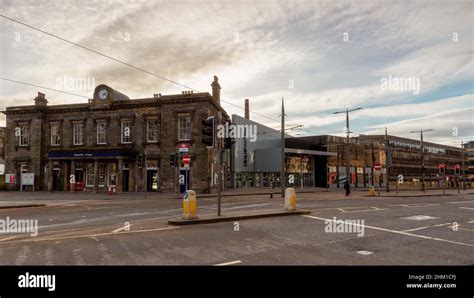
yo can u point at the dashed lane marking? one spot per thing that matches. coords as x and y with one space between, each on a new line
364 252
394 231
365 210
229 263
416 205
468 208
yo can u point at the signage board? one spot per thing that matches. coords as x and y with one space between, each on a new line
27 179
10 178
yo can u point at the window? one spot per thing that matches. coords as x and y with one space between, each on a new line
78 133
55 134
152 130
126 132
90 174
101 133
102 172
22 135
184 127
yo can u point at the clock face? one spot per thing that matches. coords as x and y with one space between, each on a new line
103 93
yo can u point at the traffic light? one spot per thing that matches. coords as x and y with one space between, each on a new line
229 141
442 169
457 169
173 160
140 161
208 132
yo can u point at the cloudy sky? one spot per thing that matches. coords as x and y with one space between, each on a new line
409 64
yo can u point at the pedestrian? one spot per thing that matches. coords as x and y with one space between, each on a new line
347 186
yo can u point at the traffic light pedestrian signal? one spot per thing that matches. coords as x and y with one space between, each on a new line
208 132
229 141
173 160
140 161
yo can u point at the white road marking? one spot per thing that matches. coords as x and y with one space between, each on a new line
427 227
22 255
364 252
8 238
419 217
48 254
469 208
394 231
367 210
416 205
459 202
92 236
120 229
229 263
79 259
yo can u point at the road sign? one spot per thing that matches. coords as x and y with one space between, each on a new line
377 167
183 148
186 159
400 179
10 178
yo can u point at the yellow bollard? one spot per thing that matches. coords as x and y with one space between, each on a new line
189 205
290 199
372 191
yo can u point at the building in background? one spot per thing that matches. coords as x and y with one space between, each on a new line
469 161
258 163
100 142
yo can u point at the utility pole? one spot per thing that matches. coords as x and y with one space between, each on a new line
348 158
388 161
282 168
422 157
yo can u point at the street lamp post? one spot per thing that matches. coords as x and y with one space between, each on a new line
421 131
347 111
282 152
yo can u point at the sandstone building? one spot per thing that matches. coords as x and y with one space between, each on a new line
100 141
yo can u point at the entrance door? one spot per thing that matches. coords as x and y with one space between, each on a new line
152 180
125 180
57 180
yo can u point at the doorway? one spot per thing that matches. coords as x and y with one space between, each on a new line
125 180
57 186
152 180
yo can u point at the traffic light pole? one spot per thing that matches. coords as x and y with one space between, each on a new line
388 161
219 162
146 174
462 166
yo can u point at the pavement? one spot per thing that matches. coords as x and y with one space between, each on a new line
78 229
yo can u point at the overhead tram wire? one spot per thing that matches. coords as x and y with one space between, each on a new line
83 96
42 87
123 62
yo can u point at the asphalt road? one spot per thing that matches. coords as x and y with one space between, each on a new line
436 230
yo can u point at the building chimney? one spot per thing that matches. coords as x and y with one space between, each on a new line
40 100
247 110
216 90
